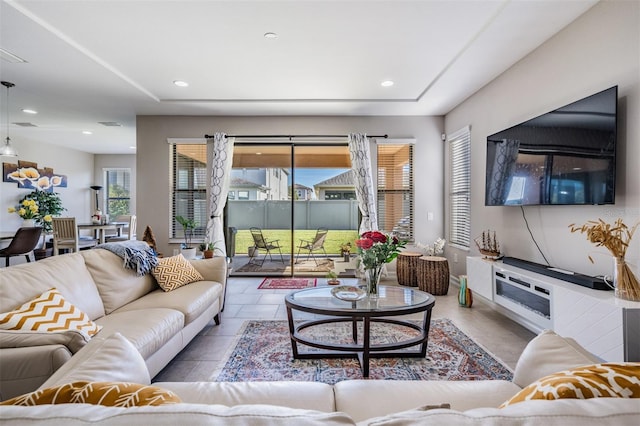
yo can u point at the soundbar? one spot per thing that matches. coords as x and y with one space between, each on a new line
561 274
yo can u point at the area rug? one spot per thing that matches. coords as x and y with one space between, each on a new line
323 266
287 283
263 353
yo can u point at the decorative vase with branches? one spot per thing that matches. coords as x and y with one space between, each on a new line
616 238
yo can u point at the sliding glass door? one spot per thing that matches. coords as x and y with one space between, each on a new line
291 210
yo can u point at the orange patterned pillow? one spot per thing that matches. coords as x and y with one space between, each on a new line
175 271
111 394
609 380
49 312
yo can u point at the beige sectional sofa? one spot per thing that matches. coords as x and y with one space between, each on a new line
159 324
362 402
122 352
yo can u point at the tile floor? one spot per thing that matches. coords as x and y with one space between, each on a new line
202 359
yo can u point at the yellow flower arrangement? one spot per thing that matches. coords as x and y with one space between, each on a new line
28 209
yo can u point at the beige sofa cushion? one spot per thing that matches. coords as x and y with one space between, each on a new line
549 353
116 284
22 370
67 273
306 395
148 330
192 299
603 411
105 359
74 340
390 396
171 415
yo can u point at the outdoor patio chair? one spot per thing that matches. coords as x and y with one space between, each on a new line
259 243
23 243
313 245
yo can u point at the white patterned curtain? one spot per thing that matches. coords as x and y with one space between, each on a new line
359 150
220 161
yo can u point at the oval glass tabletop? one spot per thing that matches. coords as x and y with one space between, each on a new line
389 298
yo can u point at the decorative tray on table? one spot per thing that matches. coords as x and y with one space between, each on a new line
348 293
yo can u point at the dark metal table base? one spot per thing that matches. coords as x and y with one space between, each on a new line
363 351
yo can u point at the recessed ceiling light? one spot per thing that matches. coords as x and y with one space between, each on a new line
29 111
386 83
270 35
180 83
258 153
87 132
132 147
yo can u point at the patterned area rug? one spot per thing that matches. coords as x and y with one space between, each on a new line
323 266
287 283
263 353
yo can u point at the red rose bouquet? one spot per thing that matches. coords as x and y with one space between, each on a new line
376 249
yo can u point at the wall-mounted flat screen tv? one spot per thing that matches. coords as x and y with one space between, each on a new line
564 157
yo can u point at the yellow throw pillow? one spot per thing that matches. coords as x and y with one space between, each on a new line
48 312
111 394
175 271
609 380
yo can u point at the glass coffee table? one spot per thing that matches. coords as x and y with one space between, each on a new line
392 303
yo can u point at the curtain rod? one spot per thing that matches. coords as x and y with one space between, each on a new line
294 136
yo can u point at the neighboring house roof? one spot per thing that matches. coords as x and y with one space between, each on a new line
239 182
343 179
300 186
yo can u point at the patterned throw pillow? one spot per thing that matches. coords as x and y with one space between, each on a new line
49 312
111 394
175 271
609 380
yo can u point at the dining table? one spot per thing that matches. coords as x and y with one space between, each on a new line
100 229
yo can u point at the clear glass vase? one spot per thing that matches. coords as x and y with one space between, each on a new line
372 275
624 280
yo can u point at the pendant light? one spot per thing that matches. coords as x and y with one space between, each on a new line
7 150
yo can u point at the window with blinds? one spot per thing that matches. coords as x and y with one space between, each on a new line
395 189
189 187
460 188
118 192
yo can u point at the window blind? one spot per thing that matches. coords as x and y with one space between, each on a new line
189 188
395 189
460 188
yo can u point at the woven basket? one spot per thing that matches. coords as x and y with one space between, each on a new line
433 275
406 268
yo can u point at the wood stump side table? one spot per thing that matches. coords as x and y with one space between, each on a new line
433 275
407 268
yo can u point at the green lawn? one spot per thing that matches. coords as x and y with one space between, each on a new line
335 238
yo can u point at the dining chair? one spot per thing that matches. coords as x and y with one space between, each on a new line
65 236
130 230
23 243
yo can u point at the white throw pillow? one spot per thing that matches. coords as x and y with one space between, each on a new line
549 353
110 359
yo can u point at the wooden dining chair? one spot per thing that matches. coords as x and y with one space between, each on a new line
23 243
130 230
65 236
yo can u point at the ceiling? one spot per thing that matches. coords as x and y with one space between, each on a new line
107 61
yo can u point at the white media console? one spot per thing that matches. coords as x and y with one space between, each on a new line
605 325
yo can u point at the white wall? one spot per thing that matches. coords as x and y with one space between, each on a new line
153 204
76 197
115 161
598 50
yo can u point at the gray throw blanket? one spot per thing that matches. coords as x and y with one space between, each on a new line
137 255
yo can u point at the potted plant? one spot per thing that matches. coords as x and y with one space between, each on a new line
332 278
346 251
208 250
188 225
